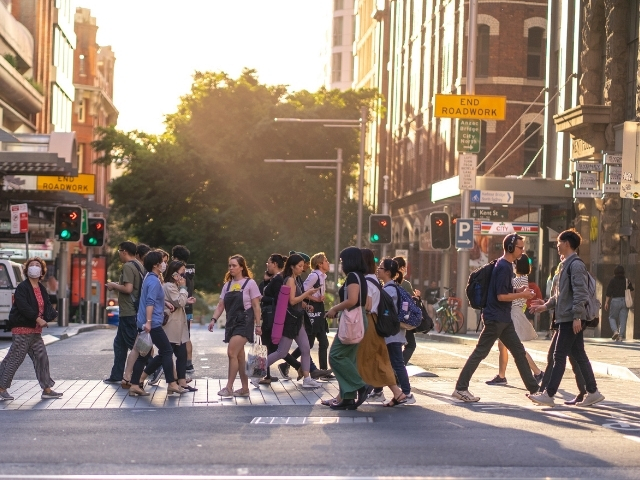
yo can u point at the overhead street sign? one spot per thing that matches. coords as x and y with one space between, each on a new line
84 183
480 107
491 196
464 233
467 171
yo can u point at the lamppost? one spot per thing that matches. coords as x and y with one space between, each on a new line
343 123
338 169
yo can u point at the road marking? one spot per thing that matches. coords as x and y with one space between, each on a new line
309 420
622 425
631 437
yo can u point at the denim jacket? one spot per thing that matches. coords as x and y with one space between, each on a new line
572 293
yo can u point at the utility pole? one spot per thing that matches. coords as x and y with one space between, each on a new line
364 112
63 279
465 206
385 208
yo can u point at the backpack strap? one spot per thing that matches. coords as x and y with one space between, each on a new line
377 284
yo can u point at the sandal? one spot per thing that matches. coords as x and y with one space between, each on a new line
225 392
126 384
395 401
241 393
189 388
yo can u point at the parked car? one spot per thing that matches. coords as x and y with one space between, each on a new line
10 276
113 315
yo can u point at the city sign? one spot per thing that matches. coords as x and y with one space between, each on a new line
480 107
612 159
467 170
506 228
587 193
588 167
19 218
588 180
84 183
491 196
468 136
464 233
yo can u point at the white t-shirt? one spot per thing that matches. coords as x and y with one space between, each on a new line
311 280
250 291
373 292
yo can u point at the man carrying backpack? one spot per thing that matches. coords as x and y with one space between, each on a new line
570 303
497 322
128 289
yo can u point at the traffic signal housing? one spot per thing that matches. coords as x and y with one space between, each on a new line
440 230
380 229
68 224
95 236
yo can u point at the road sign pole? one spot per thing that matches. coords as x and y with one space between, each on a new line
63 280
87 284
445 274
465 206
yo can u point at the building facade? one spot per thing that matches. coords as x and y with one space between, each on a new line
339 61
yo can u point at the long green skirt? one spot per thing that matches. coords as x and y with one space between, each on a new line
342 359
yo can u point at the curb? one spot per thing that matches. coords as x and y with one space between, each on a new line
600 368
82 329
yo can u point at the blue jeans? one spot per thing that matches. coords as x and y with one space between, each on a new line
618 313
122 343
569 342
397 363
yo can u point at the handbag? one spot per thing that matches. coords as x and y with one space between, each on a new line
256 365
628 296
351 327
143 343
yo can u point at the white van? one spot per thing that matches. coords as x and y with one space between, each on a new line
10 276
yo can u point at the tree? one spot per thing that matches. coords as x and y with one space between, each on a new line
204 182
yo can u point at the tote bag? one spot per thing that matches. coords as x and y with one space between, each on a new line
628 296
351 327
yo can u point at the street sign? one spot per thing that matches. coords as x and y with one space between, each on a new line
615 174
612 159
464 233
506 228
85 222
468 136
467 171
481 107
587 193
491 196
490 213
19 218
588 180
84 183
611 188
404 254
588 167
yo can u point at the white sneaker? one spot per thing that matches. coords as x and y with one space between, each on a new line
590 399
309 382
542 398
464 395
410 400
376 397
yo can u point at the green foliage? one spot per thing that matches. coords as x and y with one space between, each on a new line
11 59
204 183
36 85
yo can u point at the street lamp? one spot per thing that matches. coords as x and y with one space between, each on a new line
345 123
338 169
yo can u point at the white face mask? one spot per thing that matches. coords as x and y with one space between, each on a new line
163 266
34 271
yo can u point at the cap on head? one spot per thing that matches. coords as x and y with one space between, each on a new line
305 257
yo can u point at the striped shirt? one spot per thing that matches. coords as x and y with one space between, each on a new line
518 282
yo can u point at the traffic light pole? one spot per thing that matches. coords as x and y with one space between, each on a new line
63 279
445 274
465 204
87 284
385 210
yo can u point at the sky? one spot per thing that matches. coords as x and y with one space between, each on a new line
158 45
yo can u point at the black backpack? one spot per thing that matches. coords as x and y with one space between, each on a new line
387 322
427 322
478 285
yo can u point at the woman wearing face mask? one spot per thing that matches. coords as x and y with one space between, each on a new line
30 312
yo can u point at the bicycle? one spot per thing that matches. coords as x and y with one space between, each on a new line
448 316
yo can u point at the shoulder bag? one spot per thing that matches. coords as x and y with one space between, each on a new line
628 296
351 327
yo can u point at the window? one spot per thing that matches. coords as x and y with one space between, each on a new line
81 111
535 53
338 5
336 67
338 23
5 280
482 53
531 148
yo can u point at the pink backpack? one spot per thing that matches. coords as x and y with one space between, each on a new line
351 327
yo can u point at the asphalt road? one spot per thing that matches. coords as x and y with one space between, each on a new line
503 436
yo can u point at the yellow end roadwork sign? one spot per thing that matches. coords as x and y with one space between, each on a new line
480 107
84 184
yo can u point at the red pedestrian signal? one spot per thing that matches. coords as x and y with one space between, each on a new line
380 229
440 230
95 236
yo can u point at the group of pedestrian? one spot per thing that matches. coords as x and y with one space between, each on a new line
501 317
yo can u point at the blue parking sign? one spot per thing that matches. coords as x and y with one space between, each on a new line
464 233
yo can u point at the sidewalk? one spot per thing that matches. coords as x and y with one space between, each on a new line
618 360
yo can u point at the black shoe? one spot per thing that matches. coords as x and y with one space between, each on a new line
363 393
284 370
497 380
111 380
578 399
344 405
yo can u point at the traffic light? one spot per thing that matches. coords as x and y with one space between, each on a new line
380 229
440 230
95 236
68 224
